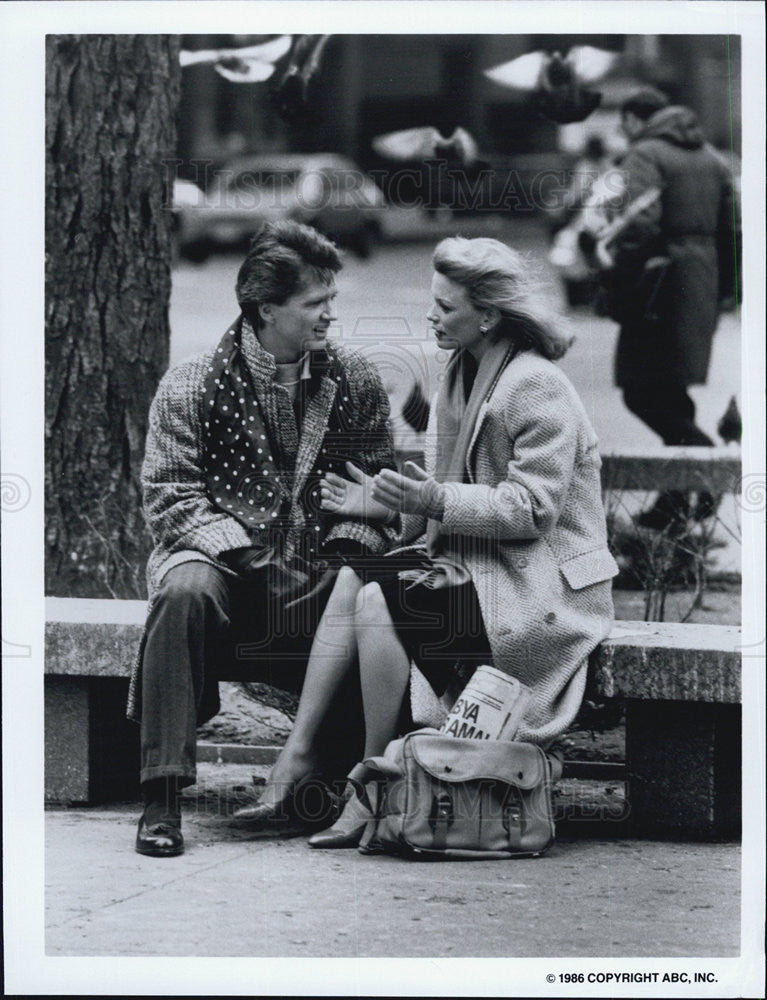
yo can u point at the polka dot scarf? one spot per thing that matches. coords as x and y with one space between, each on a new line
242 476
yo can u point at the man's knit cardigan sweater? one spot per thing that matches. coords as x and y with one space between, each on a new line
188 526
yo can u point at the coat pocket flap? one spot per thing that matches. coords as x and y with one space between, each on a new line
589 567
456 760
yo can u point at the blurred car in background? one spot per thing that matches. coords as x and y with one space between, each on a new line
186 197
325 190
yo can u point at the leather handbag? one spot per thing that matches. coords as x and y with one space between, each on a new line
435 796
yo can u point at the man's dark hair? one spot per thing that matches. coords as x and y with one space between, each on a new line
644 103
273 268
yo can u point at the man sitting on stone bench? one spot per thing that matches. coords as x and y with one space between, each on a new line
239 439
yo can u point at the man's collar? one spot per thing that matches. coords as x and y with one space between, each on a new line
301 368
263 365
260 362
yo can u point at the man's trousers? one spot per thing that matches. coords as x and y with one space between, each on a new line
205 625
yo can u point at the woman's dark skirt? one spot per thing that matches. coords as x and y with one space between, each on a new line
441 629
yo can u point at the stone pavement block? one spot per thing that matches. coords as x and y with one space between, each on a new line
231 895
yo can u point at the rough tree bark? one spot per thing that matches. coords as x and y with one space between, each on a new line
110 134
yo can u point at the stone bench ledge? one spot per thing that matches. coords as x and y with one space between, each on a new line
716 469
649 660
92 638
668 661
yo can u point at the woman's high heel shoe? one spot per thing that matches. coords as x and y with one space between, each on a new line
348 828
261 813
302 804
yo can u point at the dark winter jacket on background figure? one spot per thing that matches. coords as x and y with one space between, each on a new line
693 224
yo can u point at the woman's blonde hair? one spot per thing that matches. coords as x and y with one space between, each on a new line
496 276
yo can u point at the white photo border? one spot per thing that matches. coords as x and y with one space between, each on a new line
23 26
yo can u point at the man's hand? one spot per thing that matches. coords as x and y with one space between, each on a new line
247 561
352 497
250 561
414 493
341 549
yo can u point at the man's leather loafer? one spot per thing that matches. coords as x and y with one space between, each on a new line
163 840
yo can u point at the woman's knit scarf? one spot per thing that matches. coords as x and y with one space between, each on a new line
457 418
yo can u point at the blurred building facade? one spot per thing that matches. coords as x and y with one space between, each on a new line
369 84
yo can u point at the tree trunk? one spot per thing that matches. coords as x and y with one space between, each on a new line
110 137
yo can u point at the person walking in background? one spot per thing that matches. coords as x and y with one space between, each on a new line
674 264
239 440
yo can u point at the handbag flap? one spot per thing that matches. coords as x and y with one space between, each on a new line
455 760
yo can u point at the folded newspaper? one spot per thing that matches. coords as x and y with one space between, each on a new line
490 707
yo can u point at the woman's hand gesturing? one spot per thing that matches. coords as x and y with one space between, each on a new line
414 493
352 497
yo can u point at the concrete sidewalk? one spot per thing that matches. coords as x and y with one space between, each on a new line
233 895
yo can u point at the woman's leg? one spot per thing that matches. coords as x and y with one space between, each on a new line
384 668
384 672
333 653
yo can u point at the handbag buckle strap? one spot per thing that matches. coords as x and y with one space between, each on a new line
441 817
512 818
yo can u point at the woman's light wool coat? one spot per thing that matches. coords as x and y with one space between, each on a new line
537 552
